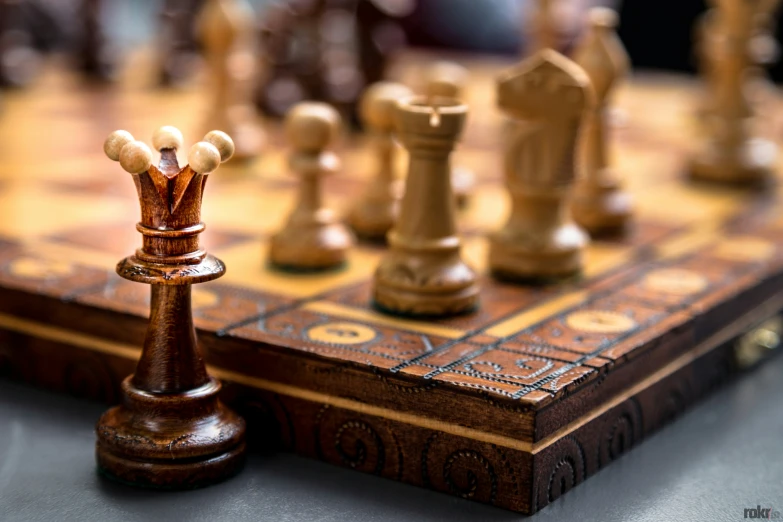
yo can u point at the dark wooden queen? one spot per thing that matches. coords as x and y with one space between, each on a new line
170 431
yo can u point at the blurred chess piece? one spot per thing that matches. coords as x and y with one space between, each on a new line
327 50
312 238
225 28
548 96
377 209
448 79
600 204
177 49
541 27
732 151
96 55
19 61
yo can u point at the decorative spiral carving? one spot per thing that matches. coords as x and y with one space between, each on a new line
467 485
469 472
566 459
349 442
359 442
620 432
269 419
672 404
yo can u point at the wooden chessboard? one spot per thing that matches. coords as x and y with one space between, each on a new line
513 405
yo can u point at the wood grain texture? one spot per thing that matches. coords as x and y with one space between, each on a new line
170 431
512 405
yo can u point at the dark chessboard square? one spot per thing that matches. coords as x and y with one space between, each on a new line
502 366
497 301
445 357
339 338
26 270
593 326
215 306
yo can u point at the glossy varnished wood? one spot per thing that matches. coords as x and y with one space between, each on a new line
170 431
512 405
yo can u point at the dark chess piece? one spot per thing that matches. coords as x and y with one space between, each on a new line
19 59
170 431
178 49
326 50
96 56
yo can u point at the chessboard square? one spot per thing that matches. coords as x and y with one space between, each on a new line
442 359
674 325
694 205
215 306
497 300
601 258
593 326
504 366
493 387
487 211
247 208
566 380
540 350
676 284
310 331
29 271
29 210
249 267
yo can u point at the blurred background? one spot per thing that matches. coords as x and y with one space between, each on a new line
657 34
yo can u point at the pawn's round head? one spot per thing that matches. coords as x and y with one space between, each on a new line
379 102
446 79
167 137
311 126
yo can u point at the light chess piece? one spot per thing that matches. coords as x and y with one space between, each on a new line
547 95
226 31
423 273
171 430
448 80
600 204
312 237
732 152
377 210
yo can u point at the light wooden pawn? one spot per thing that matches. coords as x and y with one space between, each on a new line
448 79
423 273
226 30
377 210
546 95
731 151
600 204
312 237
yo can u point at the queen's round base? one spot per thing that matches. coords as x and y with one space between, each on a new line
170 441
171 474
752 164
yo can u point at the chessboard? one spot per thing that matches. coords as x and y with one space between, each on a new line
512 405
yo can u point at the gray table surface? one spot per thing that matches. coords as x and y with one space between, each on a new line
724 455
